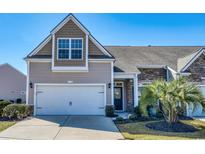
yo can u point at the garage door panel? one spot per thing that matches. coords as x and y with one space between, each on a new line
50 101
87 100
70 100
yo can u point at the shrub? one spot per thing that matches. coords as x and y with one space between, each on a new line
29 110
109 111
17 111
18 100
119 119
3 104
132 117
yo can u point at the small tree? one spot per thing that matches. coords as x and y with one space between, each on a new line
168 96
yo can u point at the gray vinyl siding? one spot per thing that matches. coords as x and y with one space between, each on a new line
46 50
12 83
93 49
98 73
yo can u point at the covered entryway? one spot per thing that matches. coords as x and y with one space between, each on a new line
125 91
70 99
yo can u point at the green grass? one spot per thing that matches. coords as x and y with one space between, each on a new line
138 131
6 124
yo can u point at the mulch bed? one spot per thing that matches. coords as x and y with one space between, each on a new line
4 119
175 127
139 119
7 119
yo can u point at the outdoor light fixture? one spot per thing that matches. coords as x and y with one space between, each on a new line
31 85
109 85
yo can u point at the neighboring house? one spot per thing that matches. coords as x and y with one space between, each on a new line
12 83
70 72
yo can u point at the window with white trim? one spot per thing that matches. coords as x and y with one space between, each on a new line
63 48
70 48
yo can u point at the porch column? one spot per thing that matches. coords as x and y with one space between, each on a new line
135 84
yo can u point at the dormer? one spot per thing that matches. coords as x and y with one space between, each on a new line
70 47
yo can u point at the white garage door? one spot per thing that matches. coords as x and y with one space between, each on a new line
198 110
70 100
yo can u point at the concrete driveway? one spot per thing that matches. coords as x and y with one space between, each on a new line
63 128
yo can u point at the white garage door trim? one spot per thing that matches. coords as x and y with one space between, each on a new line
67 84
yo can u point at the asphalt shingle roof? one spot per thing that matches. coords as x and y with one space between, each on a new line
129 57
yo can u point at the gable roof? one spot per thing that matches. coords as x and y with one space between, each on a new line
40 46
128 58
65 20
59 26
10 66
185 62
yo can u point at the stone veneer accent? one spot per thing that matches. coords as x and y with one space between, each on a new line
130 97
149 74
197 70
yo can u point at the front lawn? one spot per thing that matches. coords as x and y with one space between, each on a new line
138 131
6 124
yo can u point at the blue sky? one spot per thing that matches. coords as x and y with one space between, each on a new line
21 33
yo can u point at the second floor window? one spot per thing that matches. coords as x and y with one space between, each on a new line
70 48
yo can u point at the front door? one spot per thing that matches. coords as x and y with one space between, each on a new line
118 98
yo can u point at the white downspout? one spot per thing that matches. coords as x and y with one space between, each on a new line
27 83
135 90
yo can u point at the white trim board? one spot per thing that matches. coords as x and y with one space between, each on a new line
135 82
112 83
69 69
67 84
124 75
199 52
27 83
53 50
172 70
38 60
50 60
86 50
151 66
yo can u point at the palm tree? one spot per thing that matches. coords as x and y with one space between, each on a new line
168 96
